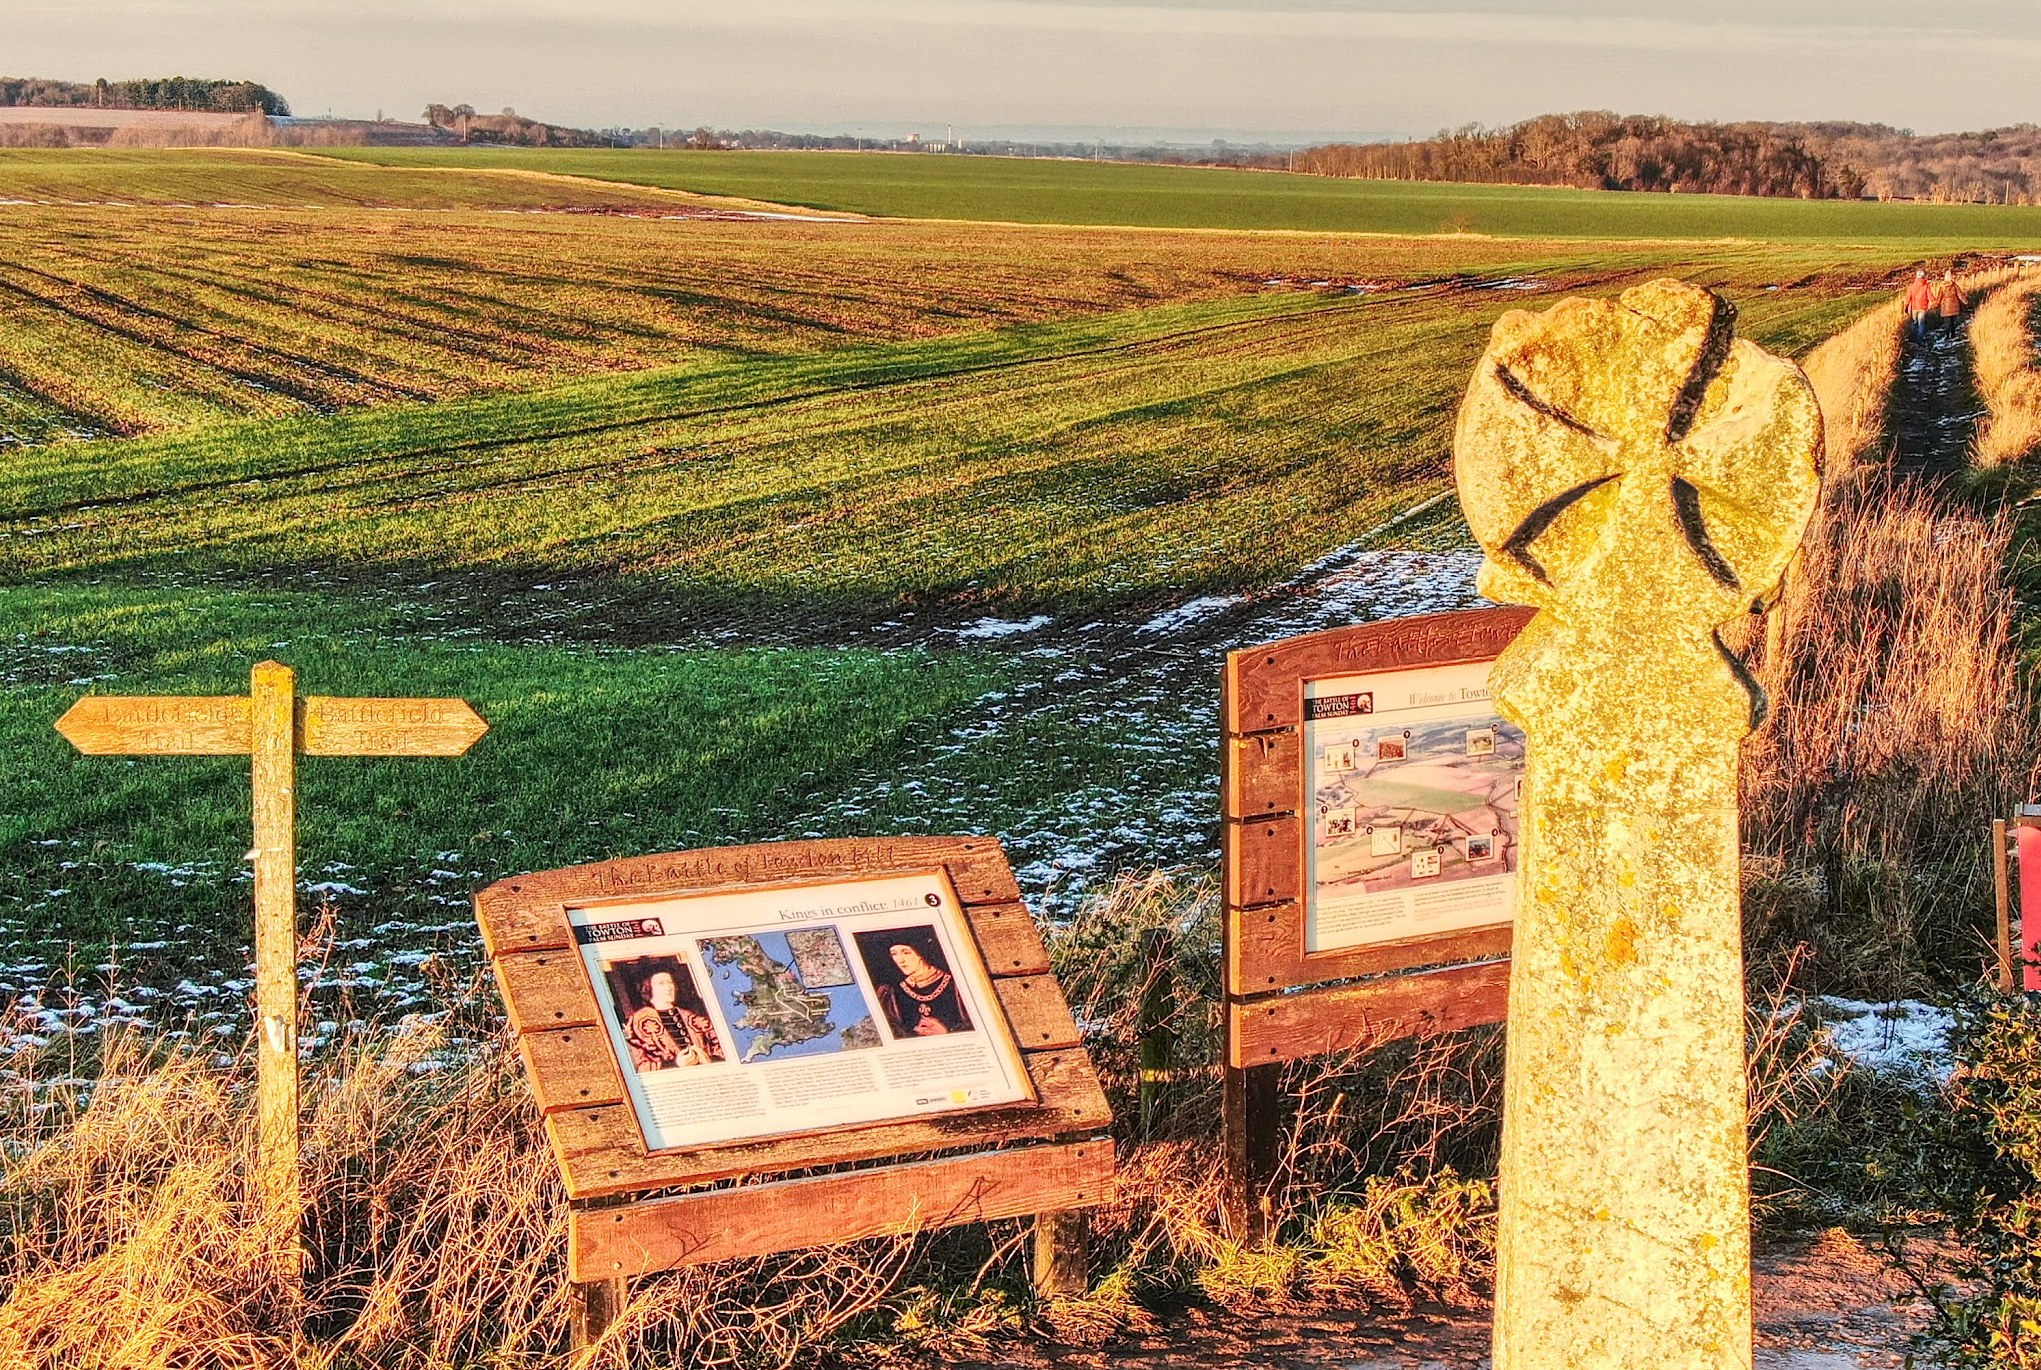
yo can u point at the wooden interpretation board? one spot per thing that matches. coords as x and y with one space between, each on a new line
577 953
1362 903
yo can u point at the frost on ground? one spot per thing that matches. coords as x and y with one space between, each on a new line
1907 1040
1100 756
1001 627
1104 755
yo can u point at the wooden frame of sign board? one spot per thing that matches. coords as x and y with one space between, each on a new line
1046 1157
1285 1001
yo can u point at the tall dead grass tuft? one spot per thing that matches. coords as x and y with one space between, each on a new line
1853 375
435 1235
2005 341
1899 724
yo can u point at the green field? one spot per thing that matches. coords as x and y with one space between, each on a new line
1129 458
735 529
1055 191
134 319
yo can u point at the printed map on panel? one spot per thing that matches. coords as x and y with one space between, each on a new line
788 994
1422 804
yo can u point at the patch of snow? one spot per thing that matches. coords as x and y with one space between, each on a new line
1169 620
1907 1038
1004 627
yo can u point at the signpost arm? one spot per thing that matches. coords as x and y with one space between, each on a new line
272 687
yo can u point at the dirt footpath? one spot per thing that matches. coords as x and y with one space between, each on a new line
1826 1303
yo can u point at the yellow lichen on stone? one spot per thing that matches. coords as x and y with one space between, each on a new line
1641 476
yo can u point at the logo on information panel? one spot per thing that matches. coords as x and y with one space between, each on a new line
1339 706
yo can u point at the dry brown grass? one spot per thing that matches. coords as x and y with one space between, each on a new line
435 1237
1900 723
1853 374
2005 341
436 1234
249 130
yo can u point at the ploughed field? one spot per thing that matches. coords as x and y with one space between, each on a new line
736 528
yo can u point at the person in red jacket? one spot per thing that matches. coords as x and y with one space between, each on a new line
1920 303
1949 301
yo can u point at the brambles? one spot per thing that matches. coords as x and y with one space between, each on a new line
1986 1141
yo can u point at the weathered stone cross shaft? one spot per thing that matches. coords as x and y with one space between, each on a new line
272 726
1641 476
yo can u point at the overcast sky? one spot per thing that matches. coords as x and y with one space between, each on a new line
1287 70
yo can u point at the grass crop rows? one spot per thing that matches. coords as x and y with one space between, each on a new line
1151 452
165 301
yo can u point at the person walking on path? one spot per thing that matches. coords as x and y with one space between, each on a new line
1949 301
1920 303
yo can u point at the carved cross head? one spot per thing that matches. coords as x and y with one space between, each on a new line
1631 462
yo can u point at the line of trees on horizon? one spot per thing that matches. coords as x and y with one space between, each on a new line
163 92
1600 150
509 128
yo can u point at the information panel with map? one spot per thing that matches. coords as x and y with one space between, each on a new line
1414 782
752 1013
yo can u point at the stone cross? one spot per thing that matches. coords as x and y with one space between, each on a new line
272 726
1642 477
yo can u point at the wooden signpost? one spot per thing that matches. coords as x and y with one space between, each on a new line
1369 850
272 726
734 1014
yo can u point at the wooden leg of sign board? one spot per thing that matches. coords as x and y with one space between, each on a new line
1158 1040
1252 1106
594 1305
1062 1253
274 746
2002 879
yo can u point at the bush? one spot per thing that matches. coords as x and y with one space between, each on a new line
1986 1149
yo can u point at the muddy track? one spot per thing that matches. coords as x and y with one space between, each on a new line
1935 408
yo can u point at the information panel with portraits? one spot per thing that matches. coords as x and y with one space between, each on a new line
756 1012
695 1017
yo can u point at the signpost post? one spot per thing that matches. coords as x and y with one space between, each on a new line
272 726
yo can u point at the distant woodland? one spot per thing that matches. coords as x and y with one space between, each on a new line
1597 150
509 127
169 92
